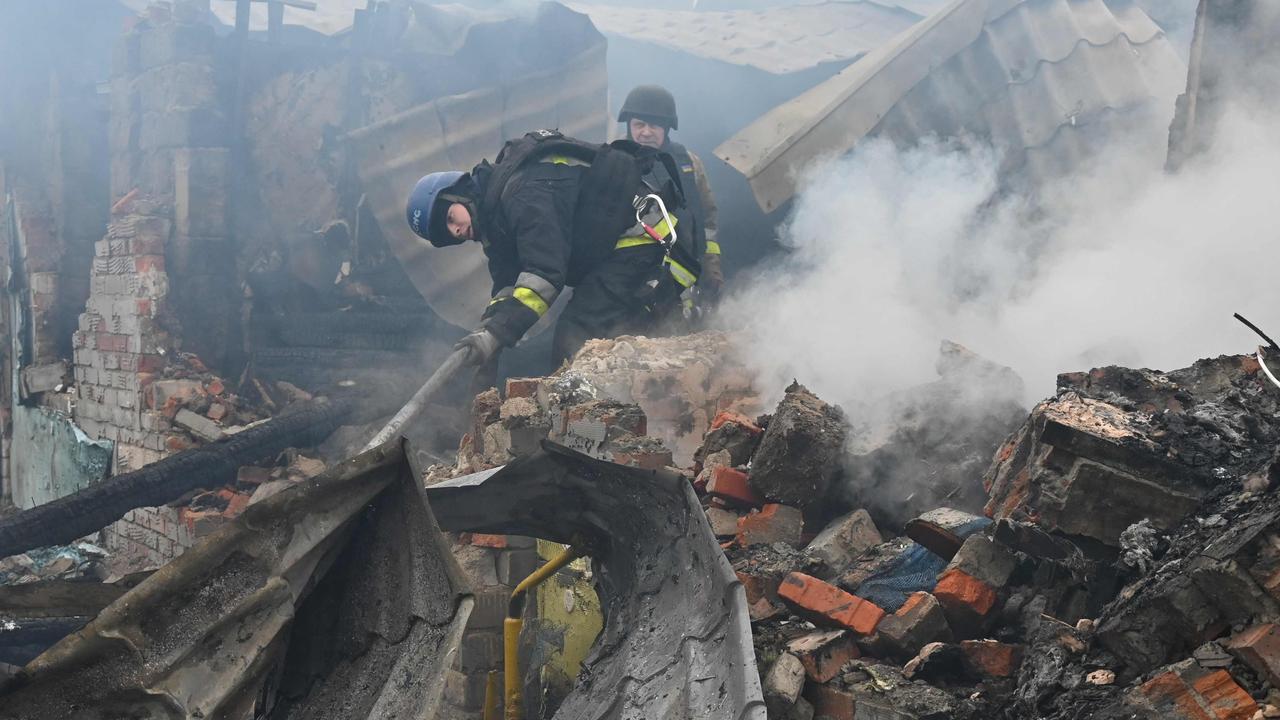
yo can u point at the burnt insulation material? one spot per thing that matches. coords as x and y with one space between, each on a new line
676 643
232 627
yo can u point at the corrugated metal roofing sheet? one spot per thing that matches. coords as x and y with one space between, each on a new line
1022 73
778 40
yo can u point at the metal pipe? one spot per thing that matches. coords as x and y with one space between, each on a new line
513 624
442 375
491 711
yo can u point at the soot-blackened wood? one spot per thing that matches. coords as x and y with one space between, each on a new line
209 466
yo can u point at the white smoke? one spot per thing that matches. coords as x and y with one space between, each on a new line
892 251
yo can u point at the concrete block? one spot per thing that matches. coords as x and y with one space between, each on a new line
783 684
772 524
480 651
198 424
844 539
479 564
985 559
724 523
800 450
516 565
919 622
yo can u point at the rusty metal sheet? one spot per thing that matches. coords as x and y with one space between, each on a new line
677 638
335 599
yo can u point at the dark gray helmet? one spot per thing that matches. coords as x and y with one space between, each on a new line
651 103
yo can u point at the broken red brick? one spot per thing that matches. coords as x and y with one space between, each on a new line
731 485
1259 648
989 658
773 523
215 387
125 204
144 263
824 653
758 587
490 541
178 443
216 412
236 504
829 701
150 363
917 623
522 387
1188 692
732 417
967 601
762 609
829 605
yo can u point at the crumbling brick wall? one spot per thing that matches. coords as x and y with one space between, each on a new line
163 281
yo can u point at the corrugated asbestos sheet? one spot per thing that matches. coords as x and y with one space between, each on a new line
1036 77
676 643
456 132
778 40
336 599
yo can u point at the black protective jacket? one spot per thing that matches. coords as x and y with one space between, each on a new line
529 240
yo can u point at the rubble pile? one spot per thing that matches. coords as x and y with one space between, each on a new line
1126 568
1124 565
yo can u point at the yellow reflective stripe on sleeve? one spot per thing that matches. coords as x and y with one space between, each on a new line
713 247
636 240
663 229
627 242
564 160
531 300
680 273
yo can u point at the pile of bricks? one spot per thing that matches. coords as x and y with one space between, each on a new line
1123 566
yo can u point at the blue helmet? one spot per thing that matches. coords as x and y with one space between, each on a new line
427 220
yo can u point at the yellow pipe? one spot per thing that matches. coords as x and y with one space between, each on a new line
512 625
491 711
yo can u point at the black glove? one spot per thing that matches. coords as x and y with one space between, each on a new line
482 344
711 281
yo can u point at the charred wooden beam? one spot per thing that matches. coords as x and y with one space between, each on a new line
208 466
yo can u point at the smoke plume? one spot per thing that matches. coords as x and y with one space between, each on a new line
893 250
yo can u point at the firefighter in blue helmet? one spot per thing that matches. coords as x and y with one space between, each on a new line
552 212
649 113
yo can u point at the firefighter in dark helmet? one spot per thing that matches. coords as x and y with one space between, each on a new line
552 212
649 113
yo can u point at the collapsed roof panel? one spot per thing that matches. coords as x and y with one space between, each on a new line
778 40
568 91
677 638
1017 72
341 584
